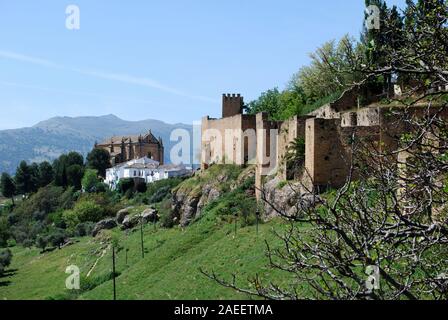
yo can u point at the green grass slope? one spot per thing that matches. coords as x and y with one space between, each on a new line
170 269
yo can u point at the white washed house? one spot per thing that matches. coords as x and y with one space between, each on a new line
144 169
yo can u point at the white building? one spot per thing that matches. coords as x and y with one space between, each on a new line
144 169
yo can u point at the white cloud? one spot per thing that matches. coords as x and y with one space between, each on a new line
129 79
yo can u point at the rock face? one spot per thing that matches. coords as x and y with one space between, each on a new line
131 221
123 213
149 215
188 202
105 224
290 199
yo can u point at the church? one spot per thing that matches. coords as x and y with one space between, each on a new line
127 148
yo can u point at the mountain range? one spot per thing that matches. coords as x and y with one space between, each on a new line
50 138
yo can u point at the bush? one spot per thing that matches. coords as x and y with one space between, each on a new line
48 199
4 231
235 202
84 211
166 214
11 243
141 187
161 194
84 229
125 185
57 220
41 242
57 237
5 260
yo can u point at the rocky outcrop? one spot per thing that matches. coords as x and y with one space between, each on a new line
287 198
121 215
130 222
147 216
150 215
189 200
105 224
185 206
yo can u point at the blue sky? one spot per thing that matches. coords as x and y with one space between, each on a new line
162 59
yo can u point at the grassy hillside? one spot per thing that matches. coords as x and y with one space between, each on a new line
170 269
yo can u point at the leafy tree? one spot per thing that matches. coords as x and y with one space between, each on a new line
279 105
68 170
7 186
327 74
42 242
57 237
74 176
99 159
74 158
46 174
90 180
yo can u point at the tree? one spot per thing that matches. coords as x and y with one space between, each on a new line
74 158
57 237
59 169
99 159
46 174
7 186
34 181
41 242
23 179
328 72
68 170
90 180
279 105
74 176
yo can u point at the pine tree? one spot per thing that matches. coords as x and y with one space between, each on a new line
7 186
23 178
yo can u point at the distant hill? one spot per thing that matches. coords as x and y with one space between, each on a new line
50 138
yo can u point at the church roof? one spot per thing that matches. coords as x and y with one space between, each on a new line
127 139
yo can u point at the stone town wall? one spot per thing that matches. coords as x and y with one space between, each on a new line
228 140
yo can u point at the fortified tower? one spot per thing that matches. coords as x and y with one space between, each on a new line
232 105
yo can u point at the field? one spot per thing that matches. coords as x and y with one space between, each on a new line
169 270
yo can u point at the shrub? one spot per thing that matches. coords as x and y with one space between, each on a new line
141 187
84 229
41 242
57 220
84 211
47 199
57 237
90 180
125 185
4 231
5 260
166 214
160 194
